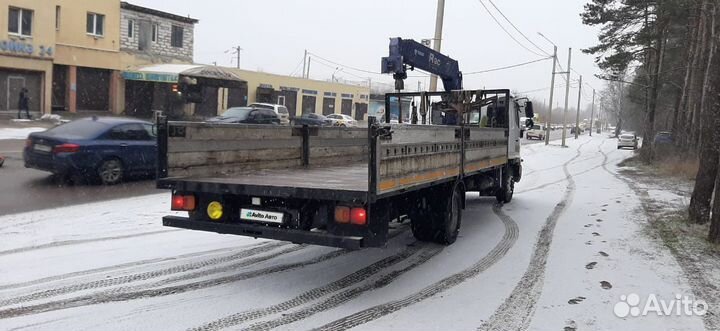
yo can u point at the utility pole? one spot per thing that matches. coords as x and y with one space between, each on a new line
437 41
237 52
577 115
567 98
552 90
592 112
307 75
304 63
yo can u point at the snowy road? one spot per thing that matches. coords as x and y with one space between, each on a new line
558 257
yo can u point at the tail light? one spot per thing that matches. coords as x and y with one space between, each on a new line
345 215
66 148
358 216
342 214
183 202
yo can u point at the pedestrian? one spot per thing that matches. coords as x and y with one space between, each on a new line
24 103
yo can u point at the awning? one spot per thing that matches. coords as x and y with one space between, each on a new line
171 73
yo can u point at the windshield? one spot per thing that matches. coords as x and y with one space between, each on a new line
627 136
240 113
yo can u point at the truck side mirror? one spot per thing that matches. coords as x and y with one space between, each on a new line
529 112
529 123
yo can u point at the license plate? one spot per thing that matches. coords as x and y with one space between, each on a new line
42 148
261 215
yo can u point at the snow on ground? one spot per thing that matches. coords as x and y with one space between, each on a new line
18 133
536 263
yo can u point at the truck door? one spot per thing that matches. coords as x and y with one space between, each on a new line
513 131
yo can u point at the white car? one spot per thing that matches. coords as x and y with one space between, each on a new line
536 132
281 110
627 140
342 120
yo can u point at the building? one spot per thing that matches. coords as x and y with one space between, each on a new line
70 54
115 57
27 51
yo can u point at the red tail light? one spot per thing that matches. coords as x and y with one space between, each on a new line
66 148
183 202
358 216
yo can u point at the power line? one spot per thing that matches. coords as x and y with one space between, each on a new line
506 67
296 68
516 29
506 31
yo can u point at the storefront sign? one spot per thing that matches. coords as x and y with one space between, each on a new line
27 49
150 76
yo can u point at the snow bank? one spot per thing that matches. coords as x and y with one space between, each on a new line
18 133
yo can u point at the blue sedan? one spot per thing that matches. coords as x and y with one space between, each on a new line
105 148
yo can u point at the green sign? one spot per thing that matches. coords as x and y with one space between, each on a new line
150 76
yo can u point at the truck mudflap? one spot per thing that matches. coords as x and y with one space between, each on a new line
260 231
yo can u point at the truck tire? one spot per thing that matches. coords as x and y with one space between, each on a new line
505 192
449 218
422 221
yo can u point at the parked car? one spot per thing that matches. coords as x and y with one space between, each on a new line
579 129
105 148
537 131
342 120
280 110
312 119
663 138
247 115
627 140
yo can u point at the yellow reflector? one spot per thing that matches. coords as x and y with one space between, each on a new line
215 210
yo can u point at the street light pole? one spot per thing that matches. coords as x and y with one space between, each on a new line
577 115
548 121
567 97
438 38
592 112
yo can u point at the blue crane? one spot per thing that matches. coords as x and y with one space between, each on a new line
408 52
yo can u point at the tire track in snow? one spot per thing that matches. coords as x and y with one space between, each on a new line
144 275
498 252
345 296
699 284
314 294
82 241
516 312
120 267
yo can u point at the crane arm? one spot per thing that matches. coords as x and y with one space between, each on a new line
408 52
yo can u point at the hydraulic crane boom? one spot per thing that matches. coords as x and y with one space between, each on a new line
408 52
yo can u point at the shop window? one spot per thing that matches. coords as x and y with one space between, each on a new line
95 24
176 37
20 21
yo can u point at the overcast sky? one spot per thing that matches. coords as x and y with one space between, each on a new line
274 34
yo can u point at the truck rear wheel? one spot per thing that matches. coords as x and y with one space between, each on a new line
422 221
450 218
504 193
436 219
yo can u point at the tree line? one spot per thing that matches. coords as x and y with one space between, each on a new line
665 54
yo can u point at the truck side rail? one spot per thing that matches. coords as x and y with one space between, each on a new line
197 149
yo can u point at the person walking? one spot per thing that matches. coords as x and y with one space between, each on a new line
24 103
